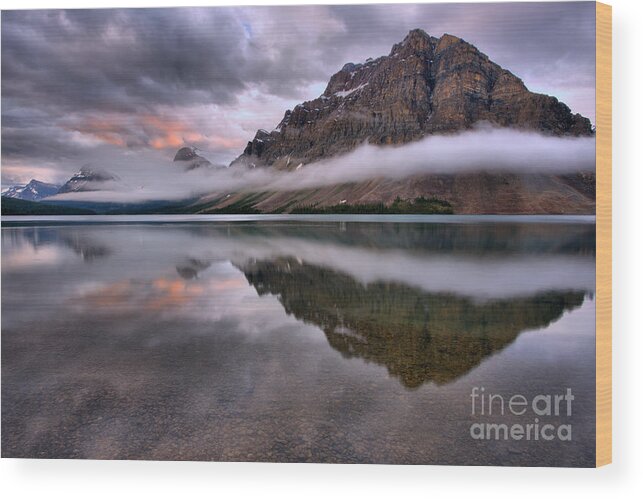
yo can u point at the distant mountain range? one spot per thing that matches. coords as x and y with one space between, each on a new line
33 191
88 179
85 180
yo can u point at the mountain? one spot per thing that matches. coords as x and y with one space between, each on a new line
87 180
33 191
425 86
188 157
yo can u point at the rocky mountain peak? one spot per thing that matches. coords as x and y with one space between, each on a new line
425 86
190 159
447 40
95 175
185 154
87 179
416 42
417 35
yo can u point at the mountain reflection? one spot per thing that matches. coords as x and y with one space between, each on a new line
471 239
418 336
427 301
191 267
77 240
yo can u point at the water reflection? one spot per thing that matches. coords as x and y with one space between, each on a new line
38 238
191 268
418 336
352 342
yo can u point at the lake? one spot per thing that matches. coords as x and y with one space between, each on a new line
297 338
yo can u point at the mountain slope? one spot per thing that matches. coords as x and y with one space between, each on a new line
424 86
466 193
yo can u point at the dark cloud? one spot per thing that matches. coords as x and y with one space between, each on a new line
118 60
38 143
73 78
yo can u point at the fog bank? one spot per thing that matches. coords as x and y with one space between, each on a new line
483 149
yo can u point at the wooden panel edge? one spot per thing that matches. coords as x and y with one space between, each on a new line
603 234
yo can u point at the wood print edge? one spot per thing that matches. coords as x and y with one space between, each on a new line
603 234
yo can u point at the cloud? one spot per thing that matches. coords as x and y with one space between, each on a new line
484 149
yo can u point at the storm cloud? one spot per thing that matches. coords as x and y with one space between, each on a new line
82 84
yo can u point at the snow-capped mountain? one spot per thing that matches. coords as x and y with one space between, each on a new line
35 190
86 180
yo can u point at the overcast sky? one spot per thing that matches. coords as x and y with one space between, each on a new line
101 86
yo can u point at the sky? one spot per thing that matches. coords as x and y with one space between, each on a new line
114 88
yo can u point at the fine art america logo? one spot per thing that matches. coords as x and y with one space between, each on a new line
538 412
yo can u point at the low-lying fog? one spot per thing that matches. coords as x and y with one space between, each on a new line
487 149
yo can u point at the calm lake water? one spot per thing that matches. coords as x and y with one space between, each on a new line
346 339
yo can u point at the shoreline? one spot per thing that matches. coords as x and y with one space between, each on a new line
442 219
